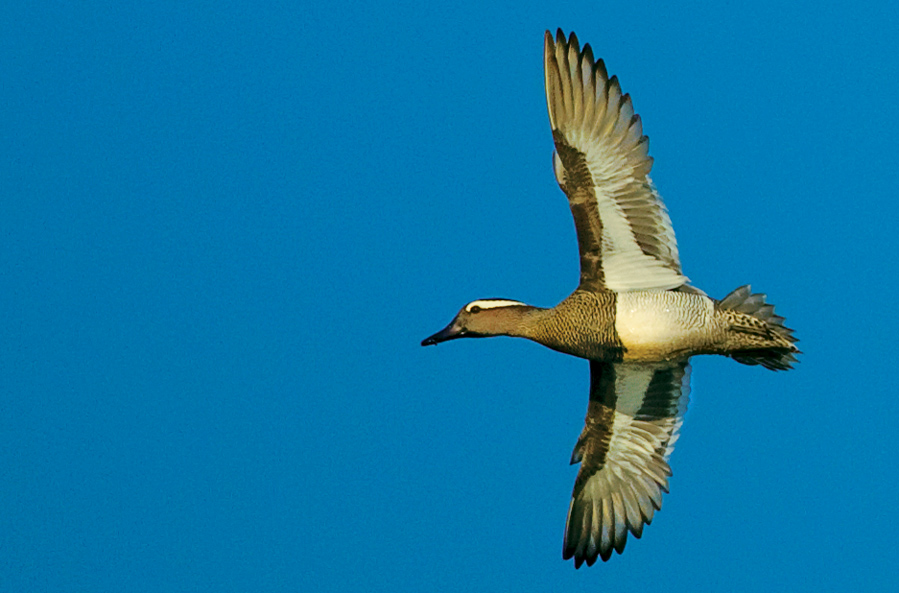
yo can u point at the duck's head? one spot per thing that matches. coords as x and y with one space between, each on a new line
481 319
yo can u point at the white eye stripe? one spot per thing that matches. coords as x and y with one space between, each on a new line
492 304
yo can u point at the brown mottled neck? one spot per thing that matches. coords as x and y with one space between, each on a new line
518 321
582 325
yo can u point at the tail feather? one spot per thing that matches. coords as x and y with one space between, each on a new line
772 343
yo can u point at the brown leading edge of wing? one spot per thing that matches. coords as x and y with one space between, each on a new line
602 164
632 423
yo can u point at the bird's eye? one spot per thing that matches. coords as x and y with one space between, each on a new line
475 309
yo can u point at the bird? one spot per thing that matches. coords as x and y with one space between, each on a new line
634 315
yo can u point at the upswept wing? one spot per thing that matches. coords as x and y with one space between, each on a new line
632 423
602 163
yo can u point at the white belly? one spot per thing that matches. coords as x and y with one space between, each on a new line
661 325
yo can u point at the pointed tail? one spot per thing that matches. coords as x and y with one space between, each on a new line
762 338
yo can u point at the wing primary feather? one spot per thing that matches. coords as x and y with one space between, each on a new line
605 548
620 521
632 509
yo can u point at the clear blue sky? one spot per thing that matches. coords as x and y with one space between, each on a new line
226 227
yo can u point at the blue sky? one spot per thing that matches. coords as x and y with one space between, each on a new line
226 227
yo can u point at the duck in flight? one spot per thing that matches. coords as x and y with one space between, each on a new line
634 315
